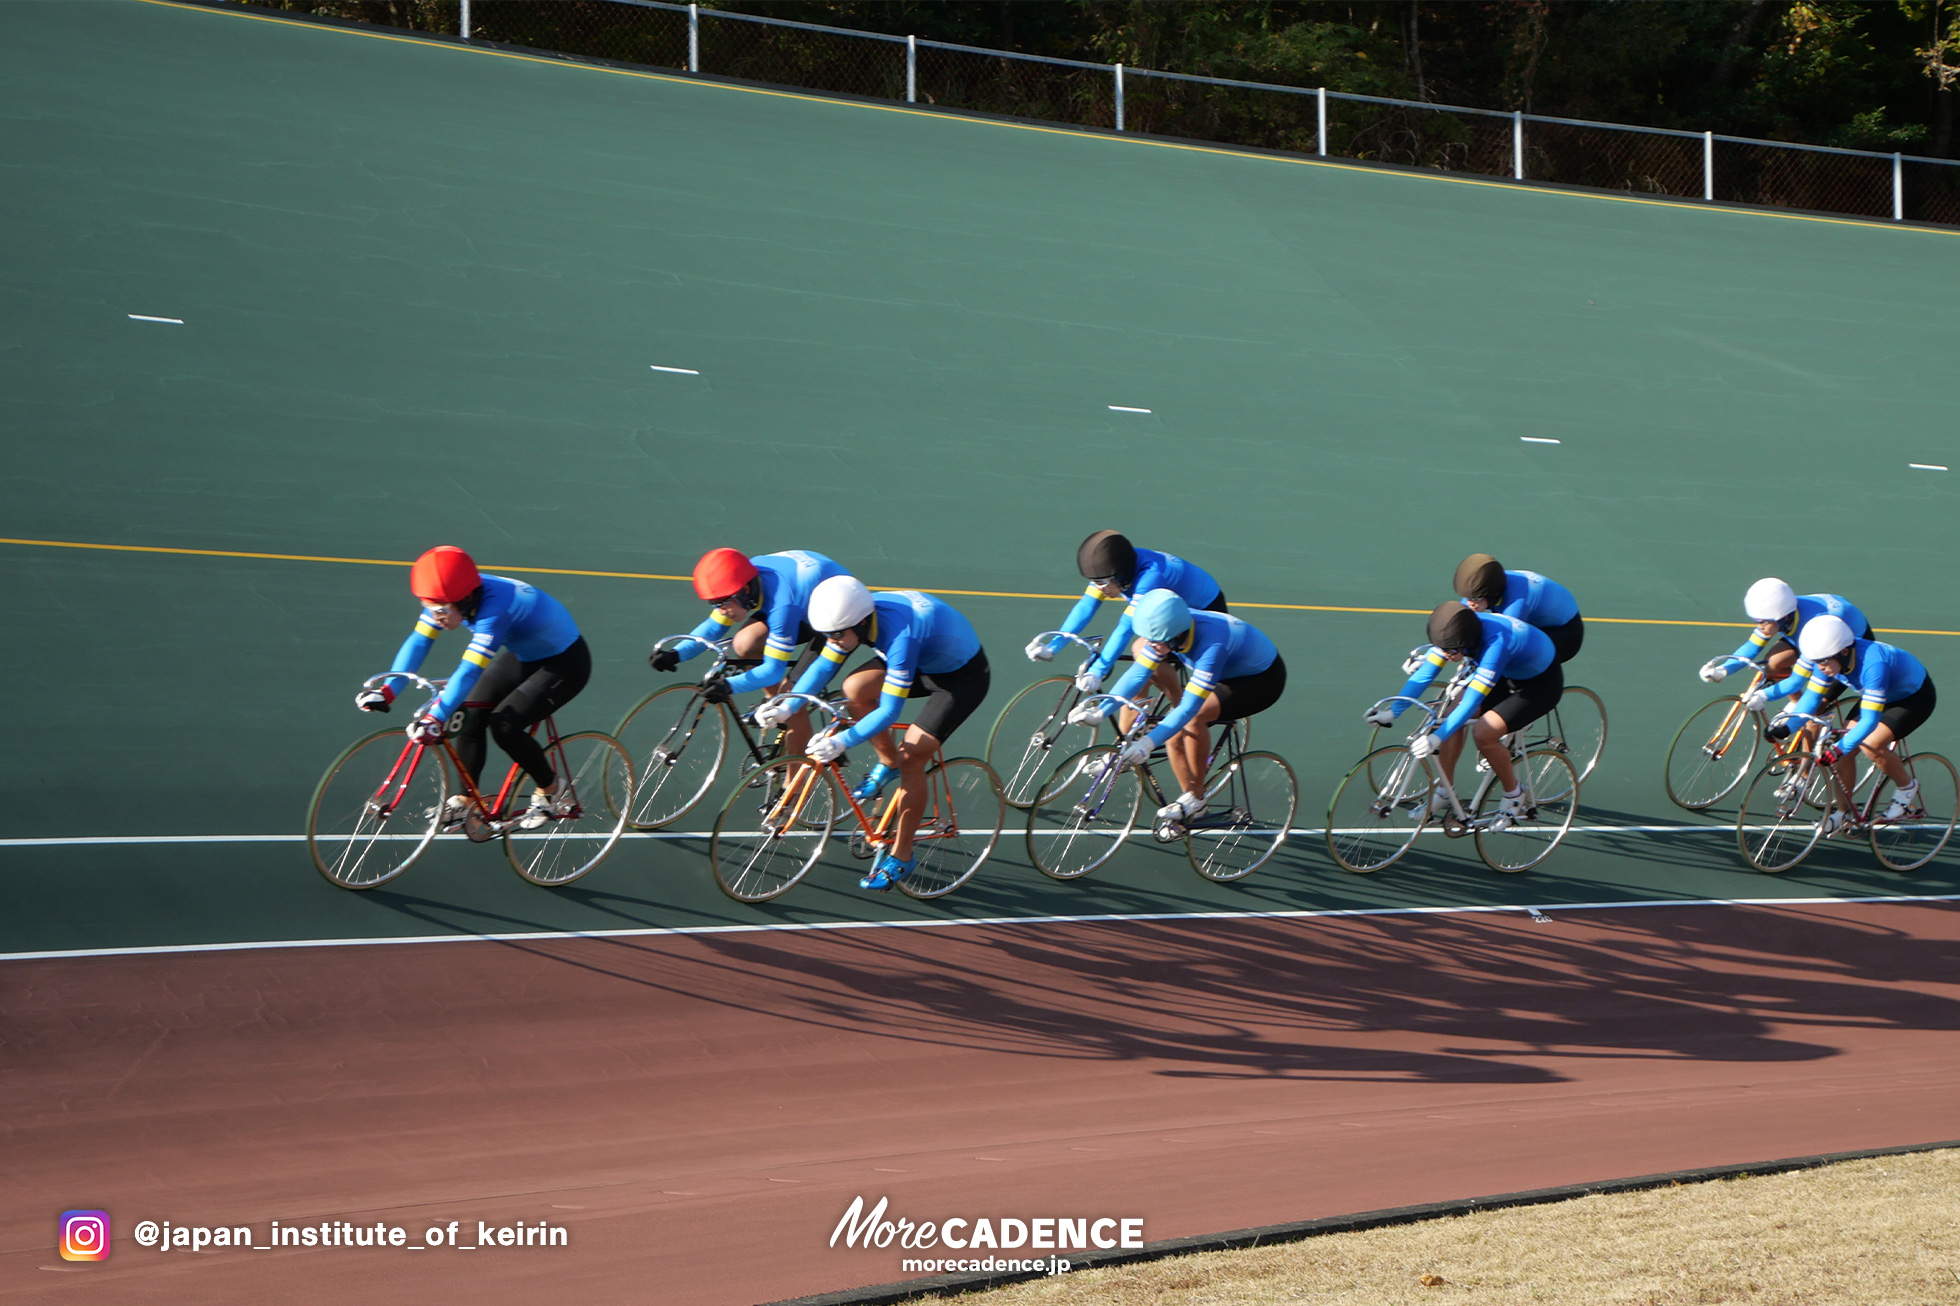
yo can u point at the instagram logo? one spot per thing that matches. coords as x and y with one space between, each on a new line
84 1235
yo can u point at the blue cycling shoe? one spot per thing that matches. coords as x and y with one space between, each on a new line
886 872
874 783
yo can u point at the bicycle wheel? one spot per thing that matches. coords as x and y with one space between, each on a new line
677 740
1913 840
959 828
1247 820
1712 753
1551 783
1774 828
772 830
1031 734
1379 809
1579 727
375 810
598 775
1085 811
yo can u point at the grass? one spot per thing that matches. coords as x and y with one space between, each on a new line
1880 1232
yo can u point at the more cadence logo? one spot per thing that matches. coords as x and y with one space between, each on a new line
1057 1233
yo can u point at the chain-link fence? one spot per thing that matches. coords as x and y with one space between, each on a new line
1410 134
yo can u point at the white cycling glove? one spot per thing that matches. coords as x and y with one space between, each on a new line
1090 681
773 713
1380 716
1086 714
1422 746
1715 670
1134 753
1038 651
1756 702
826 749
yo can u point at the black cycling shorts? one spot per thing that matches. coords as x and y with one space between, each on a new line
1567 640
1910 712
951 696
1520 702
1217 604
1244 696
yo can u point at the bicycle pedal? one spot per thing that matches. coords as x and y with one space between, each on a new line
1167 832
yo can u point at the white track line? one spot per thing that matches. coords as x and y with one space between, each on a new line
1118 408
537 936
142 317
1536 439
1927 467
682 371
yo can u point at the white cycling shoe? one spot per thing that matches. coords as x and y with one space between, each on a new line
1905 802
1185 807
543 808
1439 807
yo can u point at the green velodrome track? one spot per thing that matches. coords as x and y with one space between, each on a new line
422 291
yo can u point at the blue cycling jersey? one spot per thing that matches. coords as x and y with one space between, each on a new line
1512 650
1217 647
1537 600
787 579
917 635
511 614
1881 673
1808 606
1155 570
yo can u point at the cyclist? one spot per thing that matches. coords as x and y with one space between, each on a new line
1236 672
765 601
1518 674
923 648
1895 697
1781 614
1117 569
1484 586
525 661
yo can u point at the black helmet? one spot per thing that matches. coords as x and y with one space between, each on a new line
1481 576
1455 628
1107 555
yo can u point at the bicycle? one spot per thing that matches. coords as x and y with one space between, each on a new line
1038 730
1730 736
685 752
1576 726
1386 801
792 803
1089 806
1787 784
377 807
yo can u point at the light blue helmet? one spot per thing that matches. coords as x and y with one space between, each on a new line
1161 617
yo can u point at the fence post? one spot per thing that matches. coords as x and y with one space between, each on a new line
1898 188
464 27
694 38
1708 166
1322 135
1517 145
1119 97
911 70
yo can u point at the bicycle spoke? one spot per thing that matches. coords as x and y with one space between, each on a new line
1246 820
958 829
375 810
773 829
1774 827
595 779
1551 790
1910 841
1712 753
1031 734
1085 811
1378 809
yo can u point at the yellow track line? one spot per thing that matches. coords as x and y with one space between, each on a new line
1058 131
977 594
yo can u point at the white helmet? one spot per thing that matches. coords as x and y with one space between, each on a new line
1769 599
838 604
1823 637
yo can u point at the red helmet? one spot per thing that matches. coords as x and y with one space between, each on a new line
445 574
722 573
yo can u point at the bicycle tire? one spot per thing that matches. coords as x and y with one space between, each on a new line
1717 761
793 804
1583 742
599 776
1085 811
1253 822
675 764
953 841
1041 735
1895 844
1523 845
1372 823
1776 796
369 855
